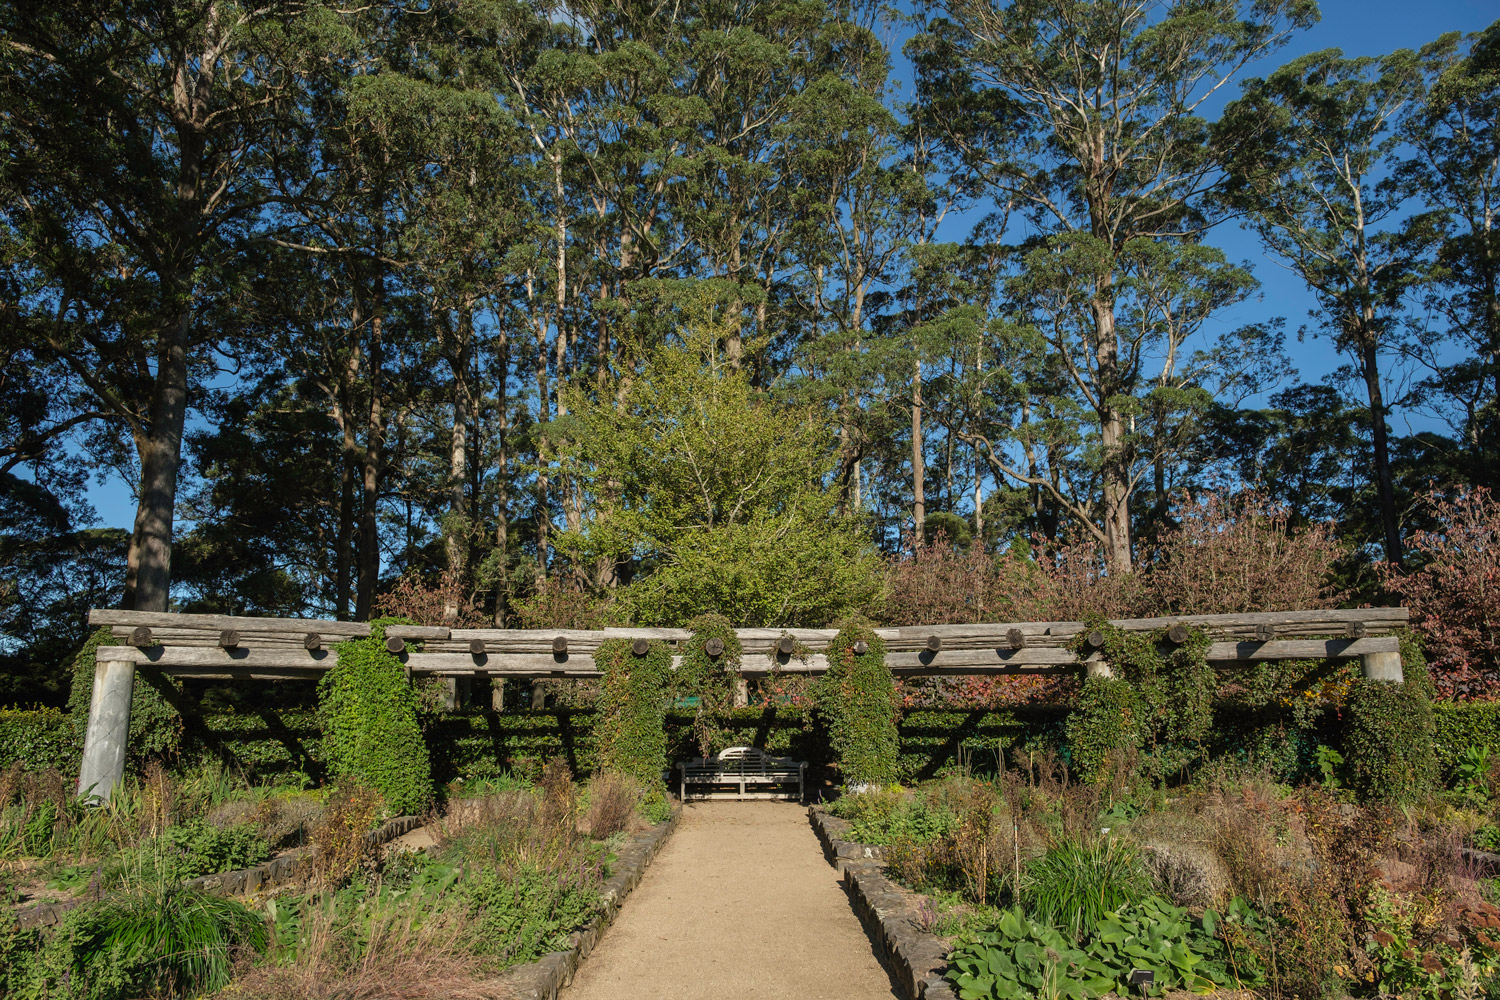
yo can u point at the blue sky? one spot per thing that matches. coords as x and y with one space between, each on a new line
1365 29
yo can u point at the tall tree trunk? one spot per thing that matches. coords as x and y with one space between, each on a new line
1385 484
1115 466
149 561
455 542
369 538
502 498
918 468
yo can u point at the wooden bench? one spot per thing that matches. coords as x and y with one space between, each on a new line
749 773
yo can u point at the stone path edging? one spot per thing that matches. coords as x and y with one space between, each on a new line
916 957
281 868
542 979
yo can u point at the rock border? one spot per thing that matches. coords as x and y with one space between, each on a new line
542 979
281 868
917 958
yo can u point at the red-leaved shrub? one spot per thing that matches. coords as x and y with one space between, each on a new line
447 602
1231 554
1454 595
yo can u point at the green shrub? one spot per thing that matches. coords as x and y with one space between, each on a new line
857 698
913 821
1388 735
1104 729
631 727
1022 958
371 732
521 915
1074 885
39 739
169 942
1461 725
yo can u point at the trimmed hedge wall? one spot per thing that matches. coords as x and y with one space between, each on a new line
283 744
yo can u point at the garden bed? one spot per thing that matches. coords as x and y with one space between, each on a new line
1030 884
892 915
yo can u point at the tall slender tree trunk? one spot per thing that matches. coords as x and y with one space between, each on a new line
1385 484
369 537
1115 466
149 560
455 542
502 496
918 467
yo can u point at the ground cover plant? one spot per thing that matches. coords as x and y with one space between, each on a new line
1047 886
511 875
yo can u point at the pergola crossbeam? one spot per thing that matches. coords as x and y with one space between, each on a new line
228 647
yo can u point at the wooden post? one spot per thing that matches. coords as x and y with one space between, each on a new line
1382 667
108 734
463 695
450 694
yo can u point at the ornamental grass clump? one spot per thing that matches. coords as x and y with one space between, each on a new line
1076 883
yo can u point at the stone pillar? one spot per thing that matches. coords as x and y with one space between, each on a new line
463 695
497 694
108 734
450 693
1098 668
741 693
1382 667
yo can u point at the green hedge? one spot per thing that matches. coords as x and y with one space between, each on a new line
40 739
276 745
1462 724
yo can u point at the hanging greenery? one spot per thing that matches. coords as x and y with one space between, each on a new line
1104 729
369 715
1388 735
857 699
1170 702
631 727
707 677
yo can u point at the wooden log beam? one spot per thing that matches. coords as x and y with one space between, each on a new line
216 623
215 661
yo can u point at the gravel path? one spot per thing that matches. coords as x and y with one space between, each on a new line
739 905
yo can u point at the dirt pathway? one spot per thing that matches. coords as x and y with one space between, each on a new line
739 905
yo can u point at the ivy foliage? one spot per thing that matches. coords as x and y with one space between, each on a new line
1104 730
1169 710
709 682
1390 732
156 723
631 729
369 715
857 698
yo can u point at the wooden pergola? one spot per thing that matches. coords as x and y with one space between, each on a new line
219 647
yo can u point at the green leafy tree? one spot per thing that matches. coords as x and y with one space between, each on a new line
135 177
1455 133
1085 117
1312 151
714 496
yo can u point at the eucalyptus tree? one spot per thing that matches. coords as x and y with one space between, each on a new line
1313 152
135 134
1086 116
1455 133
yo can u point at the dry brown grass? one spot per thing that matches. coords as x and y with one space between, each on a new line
340 834
612 802
404 959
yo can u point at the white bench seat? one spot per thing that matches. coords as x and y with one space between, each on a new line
743 773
